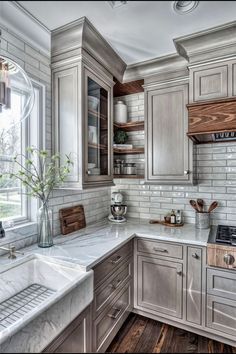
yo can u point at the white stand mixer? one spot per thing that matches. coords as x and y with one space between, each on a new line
118 209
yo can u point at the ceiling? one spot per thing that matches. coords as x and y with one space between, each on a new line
138 31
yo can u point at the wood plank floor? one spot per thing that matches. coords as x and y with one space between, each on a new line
142 335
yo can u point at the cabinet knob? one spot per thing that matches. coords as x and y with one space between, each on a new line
179 272
186 172
195 255
229 259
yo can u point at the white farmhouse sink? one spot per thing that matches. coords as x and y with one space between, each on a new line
31 285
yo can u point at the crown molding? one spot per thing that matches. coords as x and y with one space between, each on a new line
151 69
82 34
20 22
213 43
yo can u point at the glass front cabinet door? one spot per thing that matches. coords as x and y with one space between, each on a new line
83 124
98 130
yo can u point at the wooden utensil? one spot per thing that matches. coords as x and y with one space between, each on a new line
200 205
212 206
72 219
194 204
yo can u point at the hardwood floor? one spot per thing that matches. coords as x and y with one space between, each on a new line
142 335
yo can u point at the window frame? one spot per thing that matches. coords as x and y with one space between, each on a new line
30 205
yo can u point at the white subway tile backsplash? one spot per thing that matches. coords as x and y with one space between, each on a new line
216 169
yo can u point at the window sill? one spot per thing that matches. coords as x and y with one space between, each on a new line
21 235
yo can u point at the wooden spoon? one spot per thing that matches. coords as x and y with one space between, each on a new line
212 206
194 204
200 204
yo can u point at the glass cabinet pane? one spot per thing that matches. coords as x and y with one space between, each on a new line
97 129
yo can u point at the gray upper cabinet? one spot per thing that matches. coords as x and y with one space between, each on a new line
169 158
82 102
212 81
234 78
83 66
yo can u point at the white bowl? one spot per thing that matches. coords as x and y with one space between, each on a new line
93 103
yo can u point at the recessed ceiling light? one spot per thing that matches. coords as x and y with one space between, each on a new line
115 4
184 7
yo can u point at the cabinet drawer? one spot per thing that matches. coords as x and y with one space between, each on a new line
160 248
221 283
105 293
221 314
109 322
111 263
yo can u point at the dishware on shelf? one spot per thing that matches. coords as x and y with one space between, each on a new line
94 171
120 112
92 135
91 165
93 103
129 168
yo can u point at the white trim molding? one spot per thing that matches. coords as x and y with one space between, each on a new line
16 19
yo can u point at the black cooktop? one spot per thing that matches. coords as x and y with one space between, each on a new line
226 234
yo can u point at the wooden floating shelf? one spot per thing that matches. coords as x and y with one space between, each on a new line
129 176
128 151
130 126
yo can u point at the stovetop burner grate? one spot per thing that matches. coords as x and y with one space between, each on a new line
226 234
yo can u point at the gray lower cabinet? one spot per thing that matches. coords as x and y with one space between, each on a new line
169 154
109 322
113 296
159 286
194 296
221 314
76 338
221 300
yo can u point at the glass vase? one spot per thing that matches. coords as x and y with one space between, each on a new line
44 218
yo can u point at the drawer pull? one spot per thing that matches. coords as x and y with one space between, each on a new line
195 255
114 316
164 250
114 286
117 260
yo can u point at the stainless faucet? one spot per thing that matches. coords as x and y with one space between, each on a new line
12 251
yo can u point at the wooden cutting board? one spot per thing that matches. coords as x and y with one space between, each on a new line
162 222
72 219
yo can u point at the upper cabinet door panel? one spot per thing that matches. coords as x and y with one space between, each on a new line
210 83
98 125
65 91
234 79
167 143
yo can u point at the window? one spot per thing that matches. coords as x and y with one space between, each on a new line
15 136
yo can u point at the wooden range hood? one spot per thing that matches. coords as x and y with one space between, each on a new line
212 121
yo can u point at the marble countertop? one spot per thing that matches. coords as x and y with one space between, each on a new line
92 244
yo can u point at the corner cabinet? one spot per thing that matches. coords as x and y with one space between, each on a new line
83 121
169 158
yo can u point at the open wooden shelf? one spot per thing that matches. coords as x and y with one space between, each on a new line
130 126
129 176
129 151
